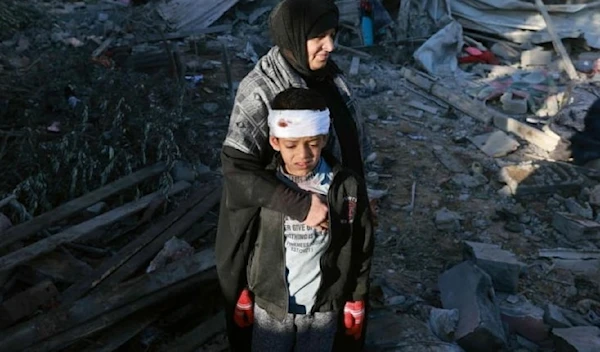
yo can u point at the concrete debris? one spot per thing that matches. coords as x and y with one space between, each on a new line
496 144
523 318
553 316
502 266
536 57
513 104
574 227
537 178
446 220
577 339
574 207
468 181
469 289
188 15
450 162
443 323
97 208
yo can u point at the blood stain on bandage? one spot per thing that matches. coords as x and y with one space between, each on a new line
282 123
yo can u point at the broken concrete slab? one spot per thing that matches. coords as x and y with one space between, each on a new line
469 289
553 316
523 317
184 15
503 266
536 57
577 339
575 228
496 144
446 220
540 177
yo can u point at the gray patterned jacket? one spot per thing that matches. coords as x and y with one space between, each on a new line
248 129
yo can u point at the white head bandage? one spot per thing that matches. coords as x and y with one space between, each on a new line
298 123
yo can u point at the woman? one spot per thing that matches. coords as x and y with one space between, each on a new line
303 32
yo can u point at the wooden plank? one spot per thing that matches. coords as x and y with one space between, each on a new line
60 267
48 244
569 254
111 264
25 230
145 255
198 336
530 134
567 64
117 335
126 294
26 303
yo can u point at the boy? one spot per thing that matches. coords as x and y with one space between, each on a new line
301 278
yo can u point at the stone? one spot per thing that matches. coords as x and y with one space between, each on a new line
446 220
574 207
554 317
575 228
595 196
182 171
210 108
513 104
577 339
496 144
443 323
97 208
523 318
467 181
387 329
502 266
469 289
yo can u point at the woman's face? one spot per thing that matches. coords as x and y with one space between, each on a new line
319 48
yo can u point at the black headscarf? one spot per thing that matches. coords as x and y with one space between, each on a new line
293 22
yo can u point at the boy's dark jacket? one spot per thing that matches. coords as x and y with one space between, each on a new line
344 279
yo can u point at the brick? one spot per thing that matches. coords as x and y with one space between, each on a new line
513 104
502 266
469 289
577 339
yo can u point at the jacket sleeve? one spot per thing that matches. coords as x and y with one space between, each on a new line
245 155
250 185
363 235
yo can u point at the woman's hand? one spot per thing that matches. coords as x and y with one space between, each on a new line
317 214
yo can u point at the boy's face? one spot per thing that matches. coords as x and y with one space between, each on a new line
300 155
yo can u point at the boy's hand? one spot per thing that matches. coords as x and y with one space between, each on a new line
354 316
243 315
317 214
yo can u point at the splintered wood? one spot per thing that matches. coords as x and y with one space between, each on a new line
62 293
